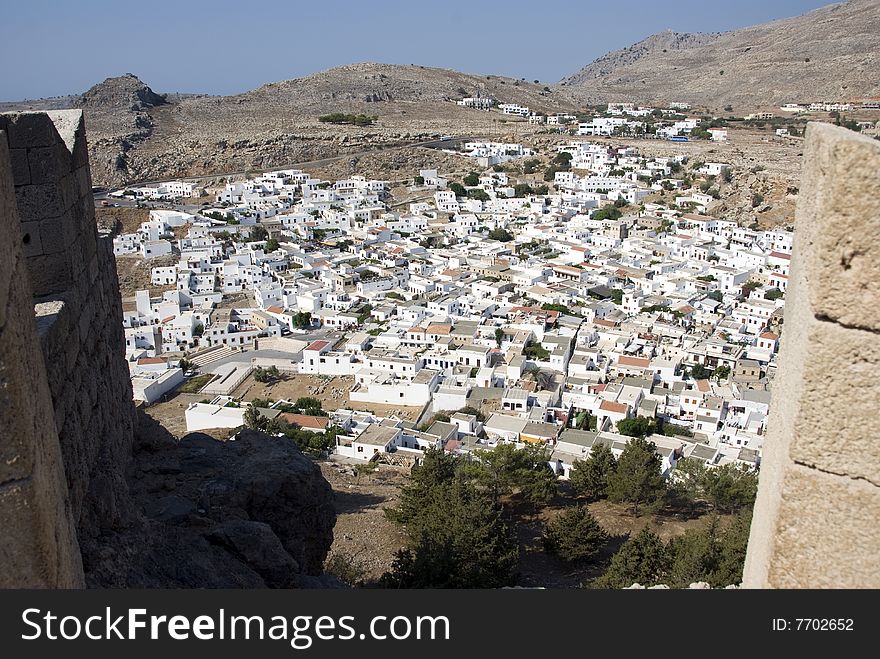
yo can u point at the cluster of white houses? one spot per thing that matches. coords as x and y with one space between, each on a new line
586 318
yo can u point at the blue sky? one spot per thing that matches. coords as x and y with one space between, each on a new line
224 47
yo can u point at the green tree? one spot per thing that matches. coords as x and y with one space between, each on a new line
253 419
643 559
499 336
714 554
457 535
722 372
458 189
419 180
607 212
272 245
731 487
471 179
688 479
638 427
258 233
501 235
530 166
574 535
301 320
310 406
478 194
537 352
507 469
637 479
589 477
264 375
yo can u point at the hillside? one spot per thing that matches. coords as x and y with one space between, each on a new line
828 54
136 134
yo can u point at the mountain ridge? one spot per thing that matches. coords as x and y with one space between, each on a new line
750 68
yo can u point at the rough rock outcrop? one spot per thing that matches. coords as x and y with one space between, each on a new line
755 67
91 491
249 513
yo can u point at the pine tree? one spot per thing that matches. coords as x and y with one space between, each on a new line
643 559
637 479
574 535
590 477
457 535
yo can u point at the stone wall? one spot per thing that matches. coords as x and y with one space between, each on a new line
92 491
38 546
72 278
815 522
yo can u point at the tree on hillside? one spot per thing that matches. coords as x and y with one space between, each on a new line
506 469
590 477
574 535
730 487
643 559
471 179
457 535
688 479
638 479
714 554
253 419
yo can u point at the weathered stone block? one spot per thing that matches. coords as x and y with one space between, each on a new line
77 265
31 129
69 190
37 202
84 182
50 273
20 543
52 237
21 172
68 125
839 402
826 533
44 165
31 239
838 225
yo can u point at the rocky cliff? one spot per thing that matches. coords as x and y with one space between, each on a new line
827 54
250 513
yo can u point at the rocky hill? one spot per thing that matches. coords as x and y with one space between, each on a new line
118 115
828 54
136 134
253 513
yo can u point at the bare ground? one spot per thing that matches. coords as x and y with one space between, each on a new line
363 536
331 391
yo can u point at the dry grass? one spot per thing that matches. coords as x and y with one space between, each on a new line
194 385
331 391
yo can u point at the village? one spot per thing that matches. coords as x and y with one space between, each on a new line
581 312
